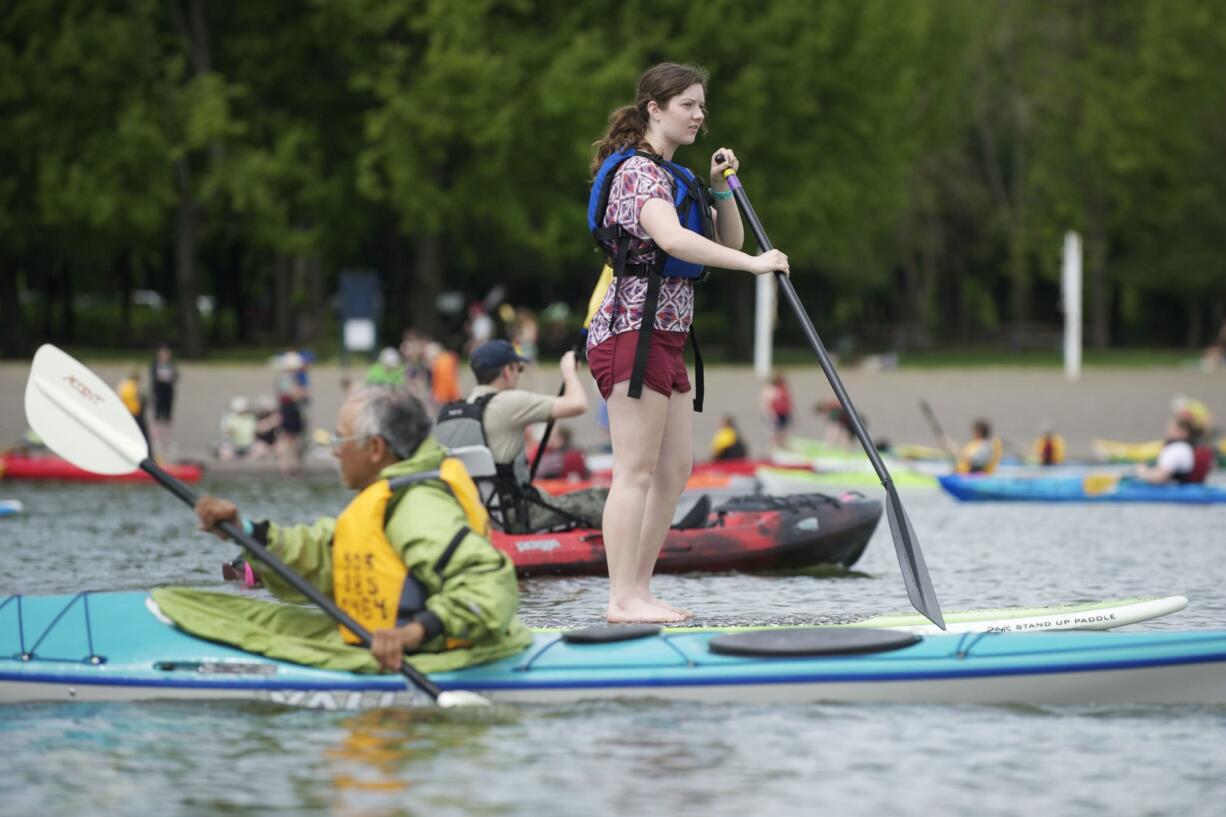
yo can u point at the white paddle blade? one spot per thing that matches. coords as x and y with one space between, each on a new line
80 417
459 697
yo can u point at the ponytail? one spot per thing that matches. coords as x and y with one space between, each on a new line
627 128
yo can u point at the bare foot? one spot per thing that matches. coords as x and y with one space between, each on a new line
640 610
681 611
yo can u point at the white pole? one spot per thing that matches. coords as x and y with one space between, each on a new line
763 324
1071 285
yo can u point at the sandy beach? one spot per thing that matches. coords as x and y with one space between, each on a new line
1123 403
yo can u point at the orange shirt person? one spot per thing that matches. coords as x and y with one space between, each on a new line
444 374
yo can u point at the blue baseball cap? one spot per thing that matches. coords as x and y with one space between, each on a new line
494 355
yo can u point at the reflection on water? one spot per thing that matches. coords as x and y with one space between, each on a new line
640 758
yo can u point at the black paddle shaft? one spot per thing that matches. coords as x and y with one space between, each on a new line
815 342
933 423
281 569
910 557
540 448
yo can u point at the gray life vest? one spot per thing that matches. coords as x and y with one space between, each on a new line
462 423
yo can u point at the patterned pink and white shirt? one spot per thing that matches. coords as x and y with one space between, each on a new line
637 181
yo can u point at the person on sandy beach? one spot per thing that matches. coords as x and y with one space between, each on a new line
656 222
163 379
776 403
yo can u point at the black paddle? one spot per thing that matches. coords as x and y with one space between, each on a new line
544 443
906 545
935 425
81 419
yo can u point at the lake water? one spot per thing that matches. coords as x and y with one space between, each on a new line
635 758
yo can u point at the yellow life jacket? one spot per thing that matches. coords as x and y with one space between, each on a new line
129 395
970 449
370 581
724 439
1057 448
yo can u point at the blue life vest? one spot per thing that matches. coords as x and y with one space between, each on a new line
693 211
689 197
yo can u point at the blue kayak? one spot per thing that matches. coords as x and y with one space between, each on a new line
1089 488
116 646
10 507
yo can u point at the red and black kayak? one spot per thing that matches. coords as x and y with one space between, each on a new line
50 467
748 533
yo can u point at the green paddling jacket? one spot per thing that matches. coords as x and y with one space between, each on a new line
477 603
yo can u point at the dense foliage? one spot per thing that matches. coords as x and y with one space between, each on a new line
919 160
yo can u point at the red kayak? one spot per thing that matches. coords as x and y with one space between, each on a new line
749 533
49 466
713 474
704 481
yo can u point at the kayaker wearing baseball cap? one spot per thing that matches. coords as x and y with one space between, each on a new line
409 559
496 413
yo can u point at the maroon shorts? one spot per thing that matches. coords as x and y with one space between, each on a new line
612 360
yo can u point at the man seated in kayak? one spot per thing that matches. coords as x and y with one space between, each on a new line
409 558
1182 459
982 454
496 414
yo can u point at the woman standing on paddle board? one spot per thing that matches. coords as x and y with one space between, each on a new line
660 229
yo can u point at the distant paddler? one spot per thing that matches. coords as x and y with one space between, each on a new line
1184 458
1048 448
982 452
409 559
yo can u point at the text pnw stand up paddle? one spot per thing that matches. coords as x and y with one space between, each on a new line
910 558
83 421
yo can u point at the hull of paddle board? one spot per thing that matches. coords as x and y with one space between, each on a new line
112 647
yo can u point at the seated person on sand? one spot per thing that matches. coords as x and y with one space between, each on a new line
409 559
1183 459
387 370
134 400
495 415
238 428
982 454
267 427
838 430
727 443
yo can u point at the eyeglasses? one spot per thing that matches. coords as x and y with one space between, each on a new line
335 441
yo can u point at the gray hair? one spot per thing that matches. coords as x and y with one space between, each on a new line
393 414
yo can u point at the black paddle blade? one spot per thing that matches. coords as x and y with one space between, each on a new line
911 560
